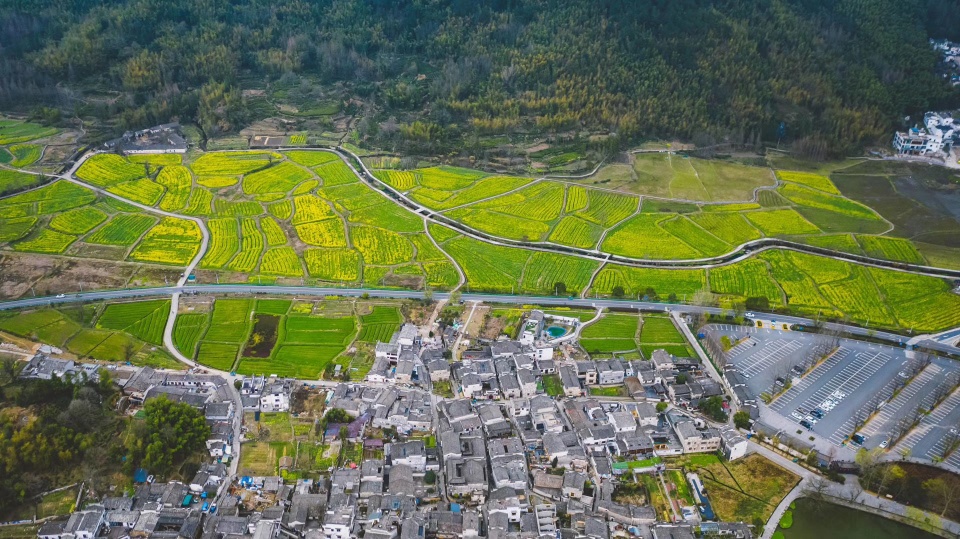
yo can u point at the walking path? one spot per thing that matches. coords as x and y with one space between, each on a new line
850 493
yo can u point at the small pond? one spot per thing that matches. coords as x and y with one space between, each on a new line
556 331
821 521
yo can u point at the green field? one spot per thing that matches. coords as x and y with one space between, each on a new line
187 331
380 324
143 319
12 181
128 331
233 163
304 345
25 154
279 178
78 221
488 268
229 322
747 279
639 281
45 240
550 274
781 222
809 179
659 330
107 169
220 356
612 333
642 236
15 131
124 229
891 249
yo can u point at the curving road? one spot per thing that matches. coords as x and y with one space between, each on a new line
742 252
70 176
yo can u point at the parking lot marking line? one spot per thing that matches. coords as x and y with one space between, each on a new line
761 357
930 421
811 378
834 386
769 356
885 419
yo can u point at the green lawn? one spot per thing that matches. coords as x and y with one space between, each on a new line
617 391
552 385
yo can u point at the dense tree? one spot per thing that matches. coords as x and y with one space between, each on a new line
48 427
170 432
835 73
713 408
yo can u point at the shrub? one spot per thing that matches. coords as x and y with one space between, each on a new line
786 521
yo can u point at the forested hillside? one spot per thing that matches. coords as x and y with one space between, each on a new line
837 72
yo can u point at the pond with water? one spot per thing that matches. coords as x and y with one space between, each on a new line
823 521
556 331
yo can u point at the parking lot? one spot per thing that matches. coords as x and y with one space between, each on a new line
847 387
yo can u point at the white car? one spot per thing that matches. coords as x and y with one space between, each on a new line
883 444
61 296
750 315
953 430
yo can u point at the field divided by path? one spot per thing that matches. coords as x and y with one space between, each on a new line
304 217
281 336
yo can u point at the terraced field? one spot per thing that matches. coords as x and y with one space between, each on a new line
304 214
172 241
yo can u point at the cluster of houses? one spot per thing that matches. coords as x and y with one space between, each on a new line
403 409
950 56
935 139
399 359
503 460
163 138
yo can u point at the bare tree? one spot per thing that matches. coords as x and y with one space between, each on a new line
816 490
853 491
950 442
699 321
860 417
923 359
944 388
946 491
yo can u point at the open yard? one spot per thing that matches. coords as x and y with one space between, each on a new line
746 490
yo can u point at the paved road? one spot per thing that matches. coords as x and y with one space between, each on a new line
850 492
414 294
740 253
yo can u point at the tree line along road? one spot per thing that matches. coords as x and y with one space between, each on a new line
893 338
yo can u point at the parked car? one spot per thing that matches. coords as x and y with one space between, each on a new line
883 444
858 439
806 424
